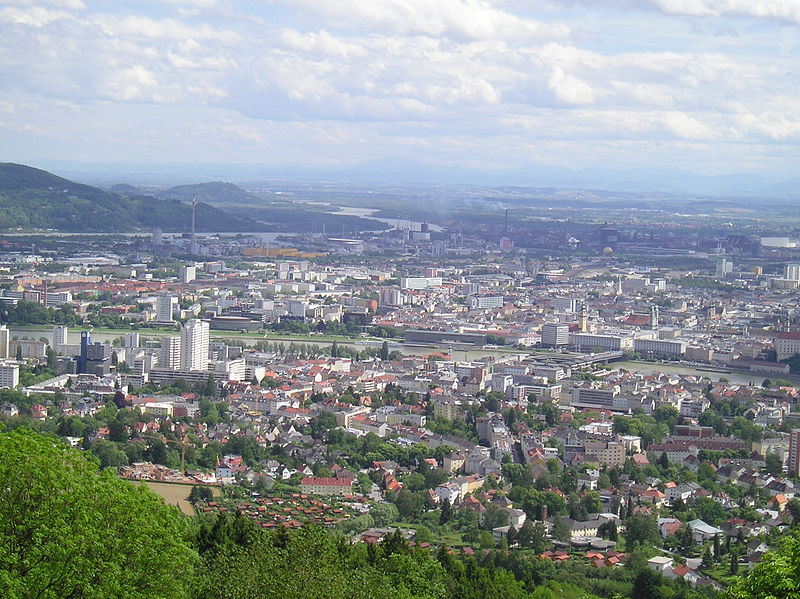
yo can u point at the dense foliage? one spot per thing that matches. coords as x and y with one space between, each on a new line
34 199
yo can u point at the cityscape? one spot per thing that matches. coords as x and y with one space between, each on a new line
457 299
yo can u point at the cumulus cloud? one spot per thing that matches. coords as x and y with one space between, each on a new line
463 19
467 78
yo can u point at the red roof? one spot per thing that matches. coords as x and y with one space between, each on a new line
328 482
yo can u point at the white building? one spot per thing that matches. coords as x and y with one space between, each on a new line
131 340
9 374
555 335
486 302
60 336
723 267
194 345
787 345
793 272
188 273
170 353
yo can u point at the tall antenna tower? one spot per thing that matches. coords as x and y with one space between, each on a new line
194 215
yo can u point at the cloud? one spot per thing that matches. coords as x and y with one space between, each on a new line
466 80
781 10
460 19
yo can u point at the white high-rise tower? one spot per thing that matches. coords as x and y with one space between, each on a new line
194 345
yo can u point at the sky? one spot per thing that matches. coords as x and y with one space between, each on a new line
707 85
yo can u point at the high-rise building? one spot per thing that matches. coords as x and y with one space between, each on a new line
794 452
169 355
5 342
188 273
164 308
83 357
194 345
131 340
723 267
793 272
60 334
554 335
9 374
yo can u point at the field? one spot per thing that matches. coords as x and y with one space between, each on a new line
175 494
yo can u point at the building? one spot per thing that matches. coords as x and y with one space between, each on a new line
169 355
5 342
420 282
194 345
792 272
660 347
590 341
564 304
486 302
786 345
188 273
131 340
60 336
327 486
164 305
9 374
390 296
794 452
555 335
723 267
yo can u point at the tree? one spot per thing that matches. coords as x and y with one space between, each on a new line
560 530
734 568
383 354
647 585
641 530
67 530
708 559
776 574
773 464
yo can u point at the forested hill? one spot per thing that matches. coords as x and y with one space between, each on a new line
215 193
31 198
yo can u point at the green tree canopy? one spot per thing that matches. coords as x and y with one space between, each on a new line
68 530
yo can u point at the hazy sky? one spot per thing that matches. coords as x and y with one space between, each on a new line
710 85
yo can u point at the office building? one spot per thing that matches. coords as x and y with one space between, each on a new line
555 335
194 345
164 305
793 272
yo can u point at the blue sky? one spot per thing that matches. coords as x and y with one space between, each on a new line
706 85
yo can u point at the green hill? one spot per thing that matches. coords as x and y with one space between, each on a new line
31 198
216 192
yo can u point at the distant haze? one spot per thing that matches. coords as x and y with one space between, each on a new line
639 95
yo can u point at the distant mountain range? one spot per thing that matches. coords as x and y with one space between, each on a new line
413 172
31 198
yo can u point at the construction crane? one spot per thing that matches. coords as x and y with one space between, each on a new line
183 443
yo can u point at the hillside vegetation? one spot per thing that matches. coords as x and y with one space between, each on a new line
31 198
